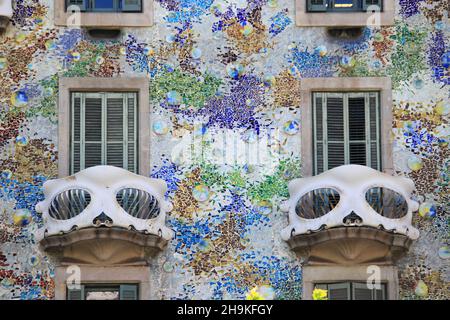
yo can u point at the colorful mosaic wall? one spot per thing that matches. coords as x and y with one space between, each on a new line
218 69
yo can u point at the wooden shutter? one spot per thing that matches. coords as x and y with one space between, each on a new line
346 130
339 291
335 124
75 294
131 5
75 154
104 130
380 294
317 5
116 119
373 130
357 123
128 292
319 102
368 3
131 127
361 292
82 4
93 148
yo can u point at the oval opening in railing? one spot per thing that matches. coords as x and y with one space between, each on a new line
69 204
317 203
386 202
138 203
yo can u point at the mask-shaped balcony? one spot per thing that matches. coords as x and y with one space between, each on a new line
350 215
6 13
104 214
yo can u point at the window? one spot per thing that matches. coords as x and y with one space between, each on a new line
346 130
108 14
344 13
344 96
353 291
104 292
103 130
106 5
104 121
342 5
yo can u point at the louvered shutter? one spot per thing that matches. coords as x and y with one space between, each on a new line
75 294
116 117
76 133
317 5
319 101
104 130
335 131
357 120
339 291
128 292
368 3
373 131
380 294
82 4
346 130
93 130
131 5
361 292
131 99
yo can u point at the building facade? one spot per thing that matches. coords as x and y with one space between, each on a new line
224 149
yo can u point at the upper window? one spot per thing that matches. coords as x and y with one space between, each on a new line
108 14
103 130
104 292
346 130
353 291
342 5
106 5
344 13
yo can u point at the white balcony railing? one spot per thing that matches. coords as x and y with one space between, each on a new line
104 196
350 196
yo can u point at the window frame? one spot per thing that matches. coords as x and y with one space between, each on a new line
116 7
341 18
355 84
106 19
359 7
119 84
346 95
104 140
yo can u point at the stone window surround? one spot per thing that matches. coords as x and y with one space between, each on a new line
107 19
139 275
92 84
304 18
329 274
310 85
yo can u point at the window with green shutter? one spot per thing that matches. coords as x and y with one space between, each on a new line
103 131
353 291
342 5
104 292
346 130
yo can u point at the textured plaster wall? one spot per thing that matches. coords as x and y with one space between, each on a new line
220 69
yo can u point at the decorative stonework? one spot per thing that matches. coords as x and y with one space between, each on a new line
350 230
93 226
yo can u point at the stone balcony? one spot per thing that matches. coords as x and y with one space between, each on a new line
104 215
350 215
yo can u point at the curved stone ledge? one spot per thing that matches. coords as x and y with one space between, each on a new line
350 245
104 245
